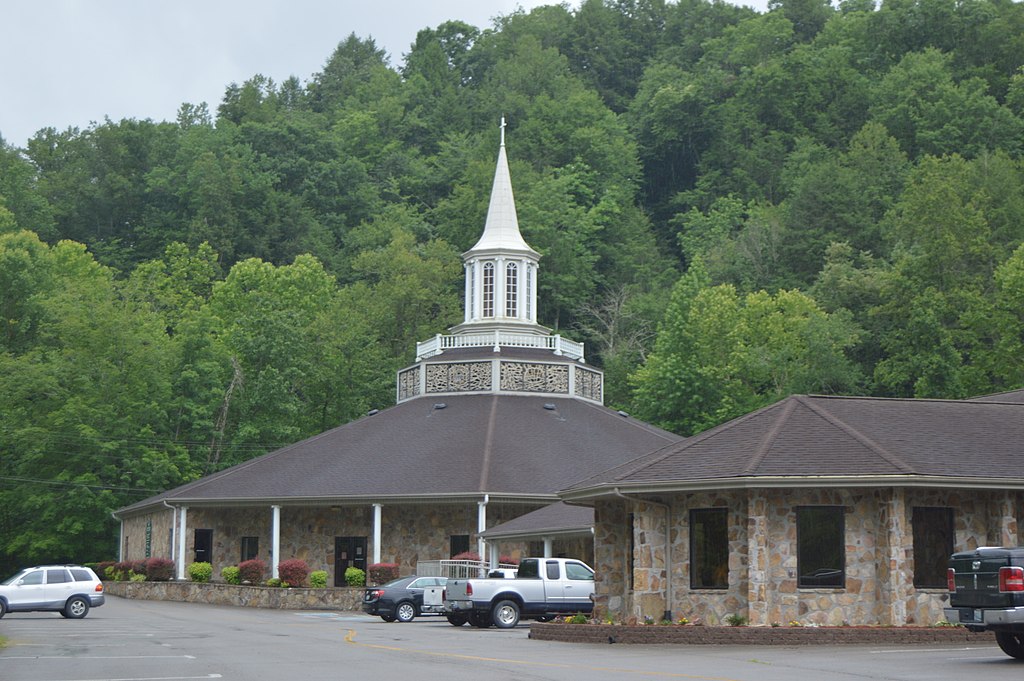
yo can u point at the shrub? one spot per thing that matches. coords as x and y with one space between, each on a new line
139 567
578 618
293 571
159 569
252 571
318 579
382 573
231 575
200 572
735 620
508 560
101 569
121 572
274 581
355 577
466 555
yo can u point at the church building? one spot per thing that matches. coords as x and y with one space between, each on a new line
491 421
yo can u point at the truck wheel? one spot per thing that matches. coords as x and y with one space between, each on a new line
1011 643
405 612
457 619
505 614
479 621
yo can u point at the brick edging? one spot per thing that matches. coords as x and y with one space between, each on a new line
783 636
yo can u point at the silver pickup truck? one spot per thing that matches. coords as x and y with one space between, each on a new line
541 589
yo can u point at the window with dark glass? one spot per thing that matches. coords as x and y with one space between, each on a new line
933 545
458 543
488 290
250 547
709 548
820 547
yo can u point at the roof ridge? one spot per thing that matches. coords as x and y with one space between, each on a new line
769 438
881 451
485 464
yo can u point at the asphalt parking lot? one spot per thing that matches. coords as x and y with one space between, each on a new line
129 640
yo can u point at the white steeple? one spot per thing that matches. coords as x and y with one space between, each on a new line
501 230
501 269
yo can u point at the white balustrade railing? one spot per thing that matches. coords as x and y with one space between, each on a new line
499 339
458 569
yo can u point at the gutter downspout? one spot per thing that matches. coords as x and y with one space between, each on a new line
120 538
174 528
667 615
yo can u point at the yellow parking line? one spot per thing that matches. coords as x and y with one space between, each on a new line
350 638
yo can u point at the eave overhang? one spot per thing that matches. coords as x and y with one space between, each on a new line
589 494
341 501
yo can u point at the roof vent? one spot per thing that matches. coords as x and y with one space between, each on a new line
373 412
623 414
549 406
440 405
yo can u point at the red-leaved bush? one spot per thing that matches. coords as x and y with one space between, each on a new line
159 569
294 571
508 560
466 555
382 573
252 571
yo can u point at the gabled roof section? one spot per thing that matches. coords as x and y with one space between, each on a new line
518 448
555 519
810 439
501 230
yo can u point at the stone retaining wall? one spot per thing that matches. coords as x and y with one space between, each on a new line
745 636
342 599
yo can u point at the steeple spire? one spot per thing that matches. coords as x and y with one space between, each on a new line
501 230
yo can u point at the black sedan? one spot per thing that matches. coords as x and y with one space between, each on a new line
405 598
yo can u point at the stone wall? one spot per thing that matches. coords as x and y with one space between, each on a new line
341 599
762 581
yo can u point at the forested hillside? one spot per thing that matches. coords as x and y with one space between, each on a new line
731 207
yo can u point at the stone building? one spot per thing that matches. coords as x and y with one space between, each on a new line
490 422
816 510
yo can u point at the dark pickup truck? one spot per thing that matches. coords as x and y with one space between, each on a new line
986 593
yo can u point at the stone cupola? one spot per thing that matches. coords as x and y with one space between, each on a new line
499 347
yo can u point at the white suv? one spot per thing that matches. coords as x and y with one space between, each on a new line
68 589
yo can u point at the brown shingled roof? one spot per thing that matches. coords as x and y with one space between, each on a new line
813 438
504 445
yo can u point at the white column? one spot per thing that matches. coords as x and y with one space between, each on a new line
481 525
376 532
494 557
181 543
275 540
548 542
467 271
500 284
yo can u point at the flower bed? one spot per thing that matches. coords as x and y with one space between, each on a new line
341 599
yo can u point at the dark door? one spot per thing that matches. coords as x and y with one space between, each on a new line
348 552
204 546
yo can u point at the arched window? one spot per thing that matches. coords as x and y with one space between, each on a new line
488 292
511 290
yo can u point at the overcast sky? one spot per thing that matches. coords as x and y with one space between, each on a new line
68 63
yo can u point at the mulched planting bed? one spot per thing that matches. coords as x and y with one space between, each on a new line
780 636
